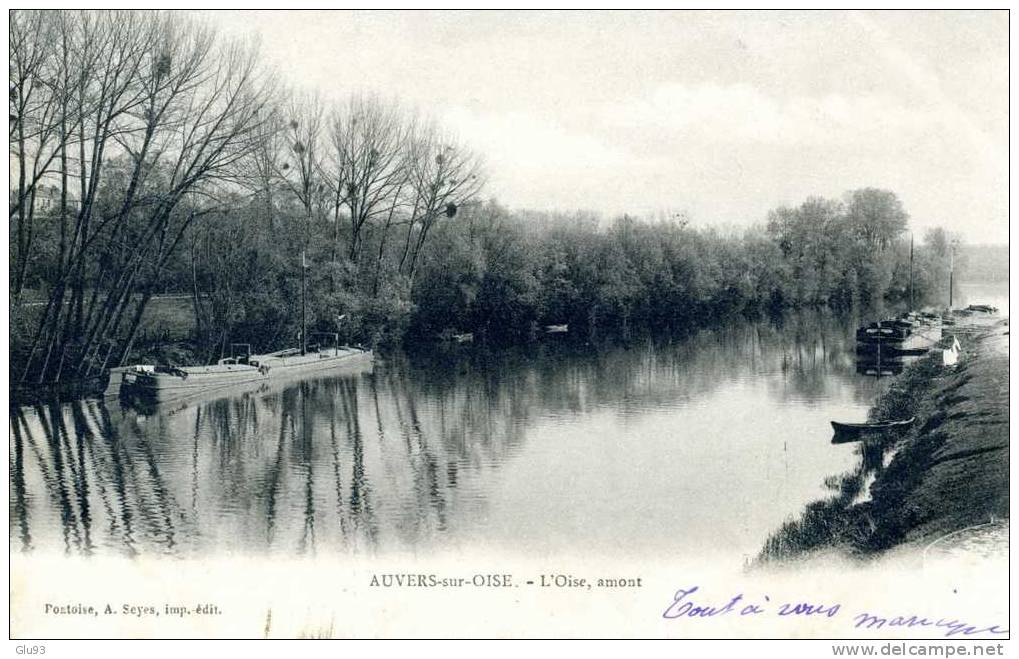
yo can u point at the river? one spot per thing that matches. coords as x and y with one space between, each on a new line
704 443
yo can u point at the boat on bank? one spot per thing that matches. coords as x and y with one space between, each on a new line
450 335
872 339
882 333
891 350
157 384
883 369
851 432
162 383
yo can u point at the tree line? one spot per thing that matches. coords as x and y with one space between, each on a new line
150 155
505 273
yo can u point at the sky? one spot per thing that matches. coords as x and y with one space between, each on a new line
719 115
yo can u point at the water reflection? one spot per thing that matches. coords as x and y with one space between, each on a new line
546 448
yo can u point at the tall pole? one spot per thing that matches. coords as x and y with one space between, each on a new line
304 304
951 273
910 271
879 352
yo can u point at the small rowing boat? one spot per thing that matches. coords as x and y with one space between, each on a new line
450 335
849 432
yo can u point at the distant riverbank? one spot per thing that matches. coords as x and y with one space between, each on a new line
947 476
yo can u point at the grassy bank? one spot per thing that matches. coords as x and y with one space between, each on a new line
948 473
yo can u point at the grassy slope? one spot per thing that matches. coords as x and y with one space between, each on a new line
949 472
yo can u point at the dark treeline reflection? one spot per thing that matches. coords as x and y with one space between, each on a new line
814 350
403 457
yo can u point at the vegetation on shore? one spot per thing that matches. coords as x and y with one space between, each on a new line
149 155
949 471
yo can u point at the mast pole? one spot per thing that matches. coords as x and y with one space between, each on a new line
910 271
304 304
879 351
951 273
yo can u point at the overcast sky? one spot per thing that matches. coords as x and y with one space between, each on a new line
722 115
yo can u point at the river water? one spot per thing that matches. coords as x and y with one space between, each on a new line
701 444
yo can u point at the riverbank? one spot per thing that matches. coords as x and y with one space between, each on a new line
947 475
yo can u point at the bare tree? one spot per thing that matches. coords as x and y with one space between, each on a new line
128 128
442 175
100 55
300 170
171 114
42 122
267 159
368 140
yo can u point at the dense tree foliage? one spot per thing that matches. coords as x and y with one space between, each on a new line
505 273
